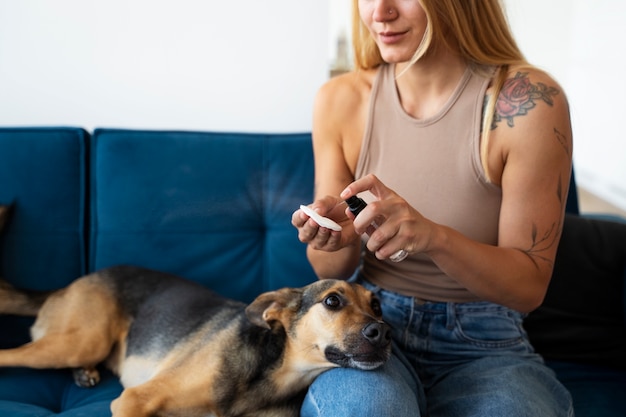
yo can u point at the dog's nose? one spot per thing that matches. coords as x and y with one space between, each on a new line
378 334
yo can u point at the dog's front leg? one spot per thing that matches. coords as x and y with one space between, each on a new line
132 403
161 397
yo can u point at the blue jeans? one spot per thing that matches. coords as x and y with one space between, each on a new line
452 360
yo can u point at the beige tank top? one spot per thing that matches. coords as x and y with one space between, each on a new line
434 164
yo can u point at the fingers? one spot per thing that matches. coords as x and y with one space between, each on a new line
369 183
316 236
388 220
310 232
322 207
325 239
377 211
384 243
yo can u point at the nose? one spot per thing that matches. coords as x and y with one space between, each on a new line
384 11
377 333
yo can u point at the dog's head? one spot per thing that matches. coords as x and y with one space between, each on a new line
328 323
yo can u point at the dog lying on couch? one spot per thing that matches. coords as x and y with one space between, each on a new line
180 349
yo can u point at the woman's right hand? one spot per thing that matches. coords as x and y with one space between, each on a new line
321 238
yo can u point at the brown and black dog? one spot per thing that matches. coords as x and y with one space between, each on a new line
182 350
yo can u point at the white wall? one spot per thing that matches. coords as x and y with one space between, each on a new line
255 65
245 65
581 43
339 26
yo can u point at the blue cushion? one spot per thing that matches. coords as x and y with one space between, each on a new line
44 176
43 173
596 391
30 392
43 247
212 207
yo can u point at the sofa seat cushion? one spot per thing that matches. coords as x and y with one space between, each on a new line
34 393
596 390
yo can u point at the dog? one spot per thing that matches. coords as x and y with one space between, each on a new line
180 349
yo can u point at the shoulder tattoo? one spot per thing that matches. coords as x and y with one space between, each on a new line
518 96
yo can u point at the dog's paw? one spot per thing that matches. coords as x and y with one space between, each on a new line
86 377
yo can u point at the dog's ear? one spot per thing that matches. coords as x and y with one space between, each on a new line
4 215
274 306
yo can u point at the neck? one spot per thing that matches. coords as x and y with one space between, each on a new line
425 86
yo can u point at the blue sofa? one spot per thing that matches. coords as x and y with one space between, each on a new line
215 208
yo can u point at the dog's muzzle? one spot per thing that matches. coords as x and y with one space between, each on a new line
366 351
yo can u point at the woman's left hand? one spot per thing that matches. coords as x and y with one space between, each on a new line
397 224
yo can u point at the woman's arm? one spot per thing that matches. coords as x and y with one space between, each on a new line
530 157
337 130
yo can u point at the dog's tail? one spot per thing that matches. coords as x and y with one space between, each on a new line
20 302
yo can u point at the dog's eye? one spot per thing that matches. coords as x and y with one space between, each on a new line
333 301
376 307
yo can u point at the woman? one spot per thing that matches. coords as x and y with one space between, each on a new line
463 152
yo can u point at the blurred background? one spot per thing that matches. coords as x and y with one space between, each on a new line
255 66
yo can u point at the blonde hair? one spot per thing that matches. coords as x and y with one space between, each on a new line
477 29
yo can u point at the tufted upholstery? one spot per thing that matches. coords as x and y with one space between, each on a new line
216 208
213 207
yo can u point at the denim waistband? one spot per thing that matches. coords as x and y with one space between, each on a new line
442 307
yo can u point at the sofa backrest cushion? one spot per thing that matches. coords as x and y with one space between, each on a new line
212 207
43 174
582 318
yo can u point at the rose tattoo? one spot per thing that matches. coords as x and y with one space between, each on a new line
518 95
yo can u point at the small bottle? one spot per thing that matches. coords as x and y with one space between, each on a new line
356 205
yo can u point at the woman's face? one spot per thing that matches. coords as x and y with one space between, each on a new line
397 26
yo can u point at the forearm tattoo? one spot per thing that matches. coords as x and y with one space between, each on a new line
550 238
564 142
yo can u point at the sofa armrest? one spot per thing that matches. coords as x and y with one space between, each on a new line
583 315
43 172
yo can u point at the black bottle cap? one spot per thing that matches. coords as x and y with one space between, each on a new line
356 204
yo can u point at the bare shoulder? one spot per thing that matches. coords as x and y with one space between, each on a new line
531 107
344 94
529 93
339 119
531 122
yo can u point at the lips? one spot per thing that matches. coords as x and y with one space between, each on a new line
389 37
